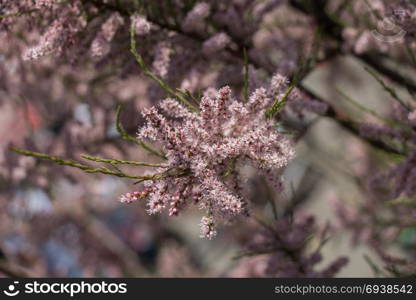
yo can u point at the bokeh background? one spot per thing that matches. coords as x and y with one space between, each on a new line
59 221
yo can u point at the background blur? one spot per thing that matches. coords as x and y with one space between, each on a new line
59 221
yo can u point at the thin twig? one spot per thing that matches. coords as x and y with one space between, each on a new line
153 76
114 161
88 169
387 88
126 136
246 79
279 103
365 109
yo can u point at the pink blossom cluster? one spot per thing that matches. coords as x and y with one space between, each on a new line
216 43
207 148
45 3
141 25
162 59
59 35
194 19
212 144
100 46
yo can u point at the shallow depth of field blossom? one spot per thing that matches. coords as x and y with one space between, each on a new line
206 148
190 138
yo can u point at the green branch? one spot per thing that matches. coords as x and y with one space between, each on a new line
114 161
387 88
230 168
28 11
246 79
172 172
151 75
126 136
83 167
279 104
366 109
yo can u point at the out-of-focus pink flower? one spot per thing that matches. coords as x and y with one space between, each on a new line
195 18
